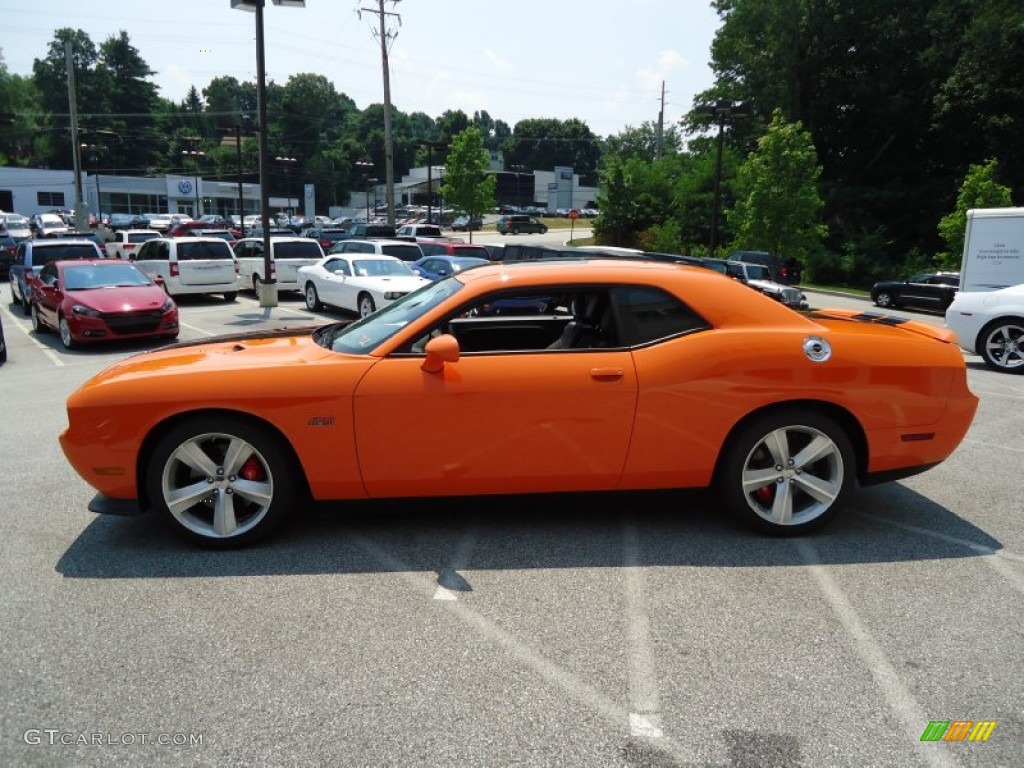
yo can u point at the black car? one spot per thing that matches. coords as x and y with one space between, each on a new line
925 290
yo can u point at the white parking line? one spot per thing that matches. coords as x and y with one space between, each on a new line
196 328
595 700
50 354
644 698
460 561
993 558
900 700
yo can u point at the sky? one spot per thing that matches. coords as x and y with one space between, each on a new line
601 61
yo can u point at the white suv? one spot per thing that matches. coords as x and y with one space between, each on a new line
127 241
287 254
188 265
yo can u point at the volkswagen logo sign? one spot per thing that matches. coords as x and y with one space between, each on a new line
185 186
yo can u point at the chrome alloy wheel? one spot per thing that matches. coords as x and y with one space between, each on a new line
1003 346
216 485
793 475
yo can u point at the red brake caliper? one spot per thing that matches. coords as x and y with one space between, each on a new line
766 495
253 470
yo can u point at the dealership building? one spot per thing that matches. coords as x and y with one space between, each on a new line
32 190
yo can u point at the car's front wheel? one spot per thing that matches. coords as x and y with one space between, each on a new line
312 298
366 305
1001 345
787 471
222 482
65 333
884 299
37 322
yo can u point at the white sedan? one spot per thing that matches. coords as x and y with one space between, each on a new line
991 324
360 283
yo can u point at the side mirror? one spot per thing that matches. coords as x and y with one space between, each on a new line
159 281
443 349
417 271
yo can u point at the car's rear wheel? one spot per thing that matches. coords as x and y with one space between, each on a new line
1001 345
65 333
366 305
787 471
230 295
37 323
884 299
222 482
256 283
312 299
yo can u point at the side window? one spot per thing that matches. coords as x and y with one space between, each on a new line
338 266
163 252
649 314
361 248
145 252
48 276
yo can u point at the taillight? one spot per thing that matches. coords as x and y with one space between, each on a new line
129 246
174 269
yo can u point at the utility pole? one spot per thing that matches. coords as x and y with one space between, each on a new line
661 122
81 216
385 38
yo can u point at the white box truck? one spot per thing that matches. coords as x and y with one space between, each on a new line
993 249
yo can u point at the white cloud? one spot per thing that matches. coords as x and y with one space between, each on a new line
500 63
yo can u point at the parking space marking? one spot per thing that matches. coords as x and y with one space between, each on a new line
583 693
899 698
449 581
644 697
27 330
993 558
197 329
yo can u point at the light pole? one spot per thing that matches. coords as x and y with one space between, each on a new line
370 184
287 163
364 167
720 110
268 289
195 154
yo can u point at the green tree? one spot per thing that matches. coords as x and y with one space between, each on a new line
778 208
979 190
643 141
468 187
546 143
125 137
18 97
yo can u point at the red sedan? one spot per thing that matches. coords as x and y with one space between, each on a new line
89 301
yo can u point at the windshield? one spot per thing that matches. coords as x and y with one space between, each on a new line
380 267
141 237
90 276
410 252
363 335
298 250
42 254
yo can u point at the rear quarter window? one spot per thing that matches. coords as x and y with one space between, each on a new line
142 237
649 314
195 251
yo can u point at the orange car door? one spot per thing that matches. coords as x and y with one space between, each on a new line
496 423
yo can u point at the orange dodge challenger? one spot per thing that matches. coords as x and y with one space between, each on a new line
578 375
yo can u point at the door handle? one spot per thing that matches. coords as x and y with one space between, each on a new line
605 374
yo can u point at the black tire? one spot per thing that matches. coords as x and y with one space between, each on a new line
37 324
364 302
3 346
258 503
885 300
799 492
26 305
543 230
64 330
256 282
231 296
312 298
1001 345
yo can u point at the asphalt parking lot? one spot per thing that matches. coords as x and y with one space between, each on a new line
613 629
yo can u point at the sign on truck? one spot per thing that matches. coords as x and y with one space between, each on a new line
993 249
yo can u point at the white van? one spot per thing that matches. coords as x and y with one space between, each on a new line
188 265
287 254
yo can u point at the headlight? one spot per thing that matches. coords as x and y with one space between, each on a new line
392 295
168 305
81 309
